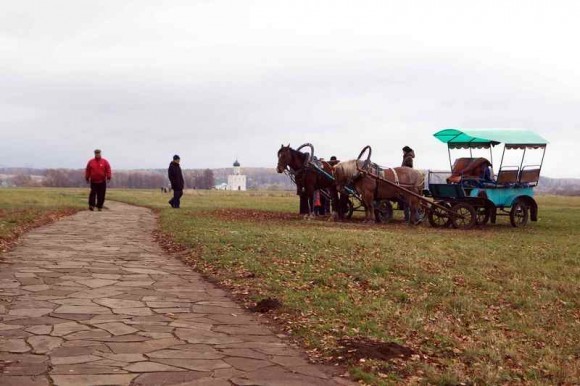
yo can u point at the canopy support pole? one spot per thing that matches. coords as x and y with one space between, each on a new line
491 160
450 164
523 158
542 161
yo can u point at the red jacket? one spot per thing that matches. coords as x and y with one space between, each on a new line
98 170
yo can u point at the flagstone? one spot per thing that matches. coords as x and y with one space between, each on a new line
107 276
30 312
88 335
97 283
247 364
135 283
124 357
40 330
158 304
64 351
74 302
119 303
8 284
74 359
24 275
203 353
171 310
36 288
155 335
42 344
96 293
117 328
141 311
143 347
69 284
86 368
150 367
13 345
68 328
145 271
10 380
6 327
202 336
93 380
68 309
195 364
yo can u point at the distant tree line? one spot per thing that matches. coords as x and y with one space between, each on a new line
131 179
257 178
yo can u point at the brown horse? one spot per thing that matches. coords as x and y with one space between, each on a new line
306 177
372 189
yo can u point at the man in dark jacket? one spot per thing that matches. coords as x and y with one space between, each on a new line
176 179
98 173
408 155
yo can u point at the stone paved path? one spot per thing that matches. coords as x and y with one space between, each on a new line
92 300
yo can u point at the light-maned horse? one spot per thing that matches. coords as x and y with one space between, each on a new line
372 189
306 177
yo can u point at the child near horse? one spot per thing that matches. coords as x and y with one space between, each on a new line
318 209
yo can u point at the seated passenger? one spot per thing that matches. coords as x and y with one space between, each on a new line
487 175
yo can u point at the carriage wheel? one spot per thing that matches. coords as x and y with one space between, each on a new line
464 216
519 214
349 209
384 212
483 214
439 218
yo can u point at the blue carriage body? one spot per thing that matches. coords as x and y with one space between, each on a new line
503 197
472 179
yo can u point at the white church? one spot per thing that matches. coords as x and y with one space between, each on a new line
236 181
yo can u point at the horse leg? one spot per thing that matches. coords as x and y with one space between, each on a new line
368 198
413 205
334 203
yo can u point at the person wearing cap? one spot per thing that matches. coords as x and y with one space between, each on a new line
97 173
333 161
408 155
177 183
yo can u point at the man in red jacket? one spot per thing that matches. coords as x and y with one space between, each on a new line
98 173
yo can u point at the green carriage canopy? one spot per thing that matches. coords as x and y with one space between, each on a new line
484 138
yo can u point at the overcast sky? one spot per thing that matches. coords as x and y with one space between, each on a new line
216 80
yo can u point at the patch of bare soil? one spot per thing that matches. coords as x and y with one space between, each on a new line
253 215
355 349
266 305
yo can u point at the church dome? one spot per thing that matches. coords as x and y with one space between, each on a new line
236 163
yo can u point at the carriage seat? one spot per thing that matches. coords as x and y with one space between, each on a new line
508 176
529 175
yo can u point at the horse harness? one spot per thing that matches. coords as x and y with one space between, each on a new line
379 170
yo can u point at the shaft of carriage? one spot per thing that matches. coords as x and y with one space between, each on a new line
426 203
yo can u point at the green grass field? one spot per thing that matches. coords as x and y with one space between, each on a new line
22 209
496 305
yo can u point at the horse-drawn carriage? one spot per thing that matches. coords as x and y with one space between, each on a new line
470 195
473 184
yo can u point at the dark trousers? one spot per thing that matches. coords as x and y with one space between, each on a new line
175 201
97 195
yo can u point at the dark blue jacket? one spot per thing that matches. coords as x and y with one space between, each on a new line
175 176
